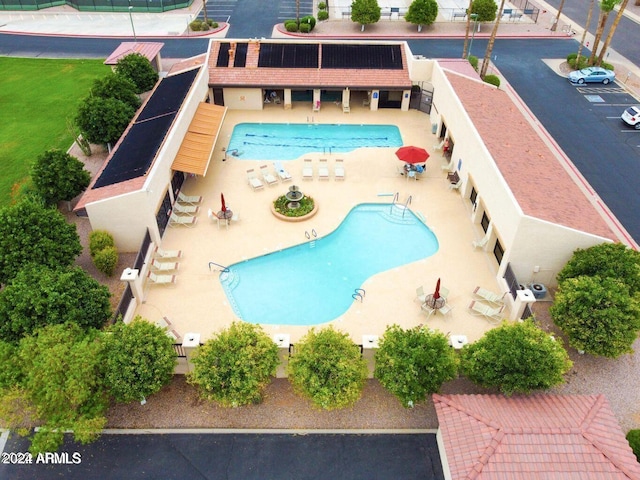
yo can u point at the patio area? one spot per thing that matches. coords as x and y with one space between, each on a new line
197 302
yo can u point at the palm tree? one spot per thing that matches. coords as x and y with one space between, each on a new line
492 40
606 6
612 30
586 29
555 23
465 51
204 4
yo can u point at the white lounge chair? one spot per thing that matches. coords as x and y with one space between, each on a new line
163 322
161 279
158 252
267 175
164 266
186 209
253 180
282 172
173 334
482 242
189 200
338 169
489 296
307 169
445 309
493 315
186 220
323 169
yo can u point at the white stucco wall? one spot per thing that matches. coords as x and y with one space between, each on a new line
243 98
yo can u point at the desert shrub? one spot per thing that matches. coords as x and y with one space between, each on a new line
196 25
473 60
323 15
322 6
305 28
99 240
633 437
309 20
211 23
492 80
572 56
291 26
106 260
606 65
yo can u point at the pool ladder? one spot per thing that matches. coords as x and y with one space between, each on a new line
358 294
313 234
224 269
395 202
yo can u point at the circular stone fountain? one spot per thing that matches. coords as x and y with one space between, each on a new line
294 196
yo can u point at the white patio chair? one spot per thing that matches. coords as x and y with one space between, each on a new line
253 180
323 169
338 169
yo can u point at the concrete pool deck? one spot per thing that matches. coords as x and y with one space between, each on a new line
197 302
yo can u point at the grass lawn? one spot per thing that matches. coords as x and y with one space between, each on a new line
37 96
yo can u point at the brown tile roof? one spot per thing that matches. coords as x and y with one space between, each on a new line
253 76
540 184
148 49
538 437
187 64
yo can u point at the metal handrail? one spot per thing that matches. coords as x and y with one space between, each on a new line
406 205
224 269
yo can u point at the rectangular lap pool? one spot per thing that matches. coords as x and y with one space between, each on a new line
314 282
288 141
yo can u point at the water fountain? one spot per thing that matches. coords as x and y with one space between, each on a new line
287 207
294 195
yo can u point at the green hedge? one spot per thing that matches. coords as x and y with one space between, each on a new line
323 15
492 79
99 240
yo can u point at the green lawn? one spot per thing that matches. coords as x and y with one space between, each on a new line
37 96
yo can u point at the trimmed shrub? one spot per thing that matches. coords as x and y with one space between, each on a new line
106 260
492 79
633 437
211 23
310 20
99 240
291 26
305 28
473 60
323 15
196 25
322 6
606 65
572 56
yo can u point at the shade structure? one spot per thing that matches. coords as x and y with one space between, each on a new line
223 208
412 154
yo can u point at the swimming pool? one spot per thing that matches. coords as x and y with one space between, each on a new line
313 283
287 141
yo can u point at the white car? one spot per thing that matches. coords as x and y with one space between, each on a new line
631 116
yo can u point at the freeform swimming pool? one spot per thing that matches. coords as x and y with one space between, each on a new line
313 283
287 141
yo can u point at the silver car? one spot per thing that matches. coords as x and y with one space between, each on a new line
592 75
631 116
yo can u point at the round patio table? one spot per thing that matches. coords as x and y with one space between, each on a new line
226 215
435 303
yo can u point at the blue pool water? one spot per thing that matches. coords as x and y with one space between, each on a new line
313 282
287 141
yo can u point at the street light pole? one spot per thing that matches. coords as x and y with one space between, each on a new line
131 19
474 16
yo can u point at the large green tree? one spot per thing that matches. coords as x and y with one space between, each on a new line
327 367
33 233
103 120
516 358
365 12
63 383
59 176
422 12
414 363
118 87
613 260
598 314
139 70
484 9
234 367
38 296
138 360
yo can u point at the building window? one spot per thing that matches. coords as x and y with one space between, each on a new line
485 222
473 196
498 252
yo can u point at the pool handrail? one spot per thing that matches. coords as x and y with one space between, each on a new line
224 269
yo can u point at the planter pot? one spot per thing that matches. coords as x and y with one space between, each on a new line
539 290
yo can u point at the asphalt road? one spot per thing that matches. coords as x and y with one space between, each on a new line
236 457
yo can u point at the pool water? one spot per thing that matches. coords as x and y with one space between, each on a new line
288 141
314 282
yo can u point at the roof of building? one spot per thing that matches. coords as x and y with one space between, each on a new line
290 64
543 437
149 50
541 185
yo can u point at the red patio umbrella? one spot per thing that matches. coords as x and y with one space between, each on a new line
224 207
436 294
412 154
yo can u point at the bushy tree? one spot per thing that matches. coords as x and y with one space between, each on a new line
10 372
118 87
63 383
414 363
613 260
365 12
59 176
139 70
39 296
99 240
516 358
103 120
327 367
485 9
234 367
598 314
422 12
32 233
138 360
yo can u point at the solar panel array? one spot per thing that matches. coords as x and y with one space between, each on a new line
381 57
133 157
288 55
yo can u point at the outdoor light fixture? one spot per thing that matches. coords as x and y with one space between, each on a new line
131 19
